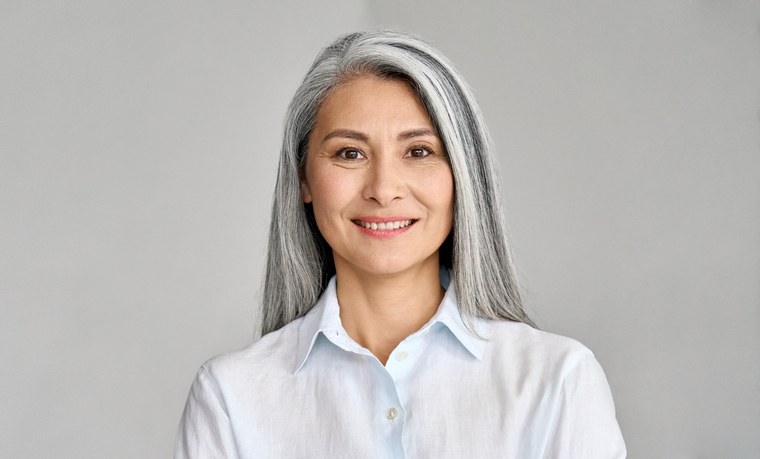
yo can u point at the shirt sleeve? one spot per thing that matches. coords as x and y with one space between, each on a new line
584 423
205 430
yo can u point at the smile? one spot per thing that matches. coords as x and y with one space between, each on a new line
384 226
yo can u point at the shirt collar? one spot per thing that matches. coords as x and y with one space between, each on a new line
324 318
448 314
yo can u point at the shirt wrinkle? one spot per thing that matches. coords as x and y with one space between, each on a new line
217 390
557 407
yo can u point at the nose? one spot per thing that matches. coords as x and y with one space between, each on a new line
385 180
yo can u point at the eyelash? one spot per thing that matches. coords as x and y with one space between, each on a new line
341 153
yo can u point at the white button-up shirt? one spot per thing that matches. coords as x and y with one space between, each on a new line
308 390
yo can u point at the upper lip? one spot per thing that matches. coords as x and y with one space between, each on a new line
392 218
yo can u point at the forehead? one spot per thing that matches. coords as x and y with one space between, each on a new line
371 102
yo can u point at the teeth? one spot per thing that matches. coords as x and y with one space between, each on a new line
384 225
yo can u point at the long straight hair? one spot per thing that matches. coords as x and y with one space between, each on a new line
299 261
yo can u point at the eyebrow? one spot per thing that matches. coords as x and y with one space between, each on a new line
346 134
417 133
349 134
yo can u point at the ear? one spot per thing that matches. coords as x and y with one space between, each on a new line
305 192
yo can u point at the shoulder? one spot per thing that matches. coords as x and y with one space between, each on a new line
525 348
271 356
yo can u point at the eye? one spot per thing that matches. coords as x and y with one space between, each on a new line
350 153
419 152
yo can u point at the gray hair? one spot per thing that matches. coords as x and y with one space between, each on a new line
299 261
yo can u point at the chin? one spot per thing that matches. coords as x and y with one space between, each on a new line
386 266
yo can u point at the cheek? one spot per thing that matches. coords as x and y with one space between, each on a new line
449 206
331 192
440 191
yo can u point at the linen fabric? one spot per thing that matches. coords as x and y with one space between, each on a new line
309 390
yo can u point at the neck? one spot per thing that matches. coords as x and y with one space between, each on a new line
380 311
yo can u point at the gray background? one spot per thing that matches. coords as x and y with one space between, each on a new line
138 145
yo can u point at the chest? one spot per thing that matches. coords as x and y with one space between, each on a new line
419 405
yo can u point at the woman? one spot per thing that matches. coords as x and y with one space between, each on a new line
392 323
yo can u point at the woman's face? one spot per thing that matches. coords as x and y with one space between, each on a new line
378 178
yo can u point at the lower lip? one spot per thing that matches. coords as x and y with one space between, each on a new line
383 234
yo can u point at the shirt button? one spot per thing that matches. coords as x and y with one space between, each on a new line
391 413
402 356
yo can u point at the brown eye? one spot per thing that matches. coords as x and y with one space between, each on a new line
350 154
418 152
